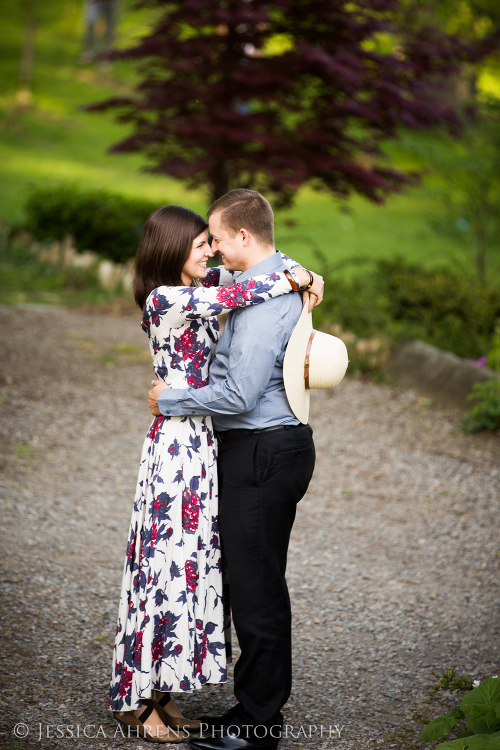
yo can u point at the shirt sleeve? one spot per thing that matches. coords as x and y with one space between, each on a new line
174 305
257 338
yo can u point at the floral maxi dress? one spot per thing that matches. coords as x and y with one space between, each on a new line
170 632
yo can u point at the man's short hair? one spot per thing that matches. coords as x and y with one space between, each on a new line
246 209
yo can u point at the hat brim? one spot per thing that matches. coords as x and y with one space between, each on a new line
293 376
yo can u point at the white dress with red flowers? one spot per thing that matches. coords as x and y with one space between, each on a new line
170 633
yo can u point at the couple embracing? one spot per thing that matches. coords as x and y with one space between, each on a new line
224 448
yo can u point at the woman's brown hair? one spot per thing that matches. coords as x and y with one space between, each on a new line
164 248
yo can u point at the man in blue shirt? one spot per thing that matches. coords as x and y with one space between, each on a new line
266 460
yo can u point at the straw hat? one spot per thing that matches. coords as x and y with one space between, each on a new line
313 359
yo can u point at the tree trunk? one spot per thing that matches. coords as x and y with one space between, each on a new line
94 10
111 19
219 179
481 249
24 95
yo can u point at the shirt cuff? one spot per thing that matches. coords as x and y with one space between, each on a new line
295 275
169 401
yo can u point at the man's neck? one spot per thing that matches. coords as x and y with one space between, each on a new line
258 254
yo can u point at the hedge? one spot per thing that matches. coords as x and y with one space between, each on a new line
399 300
107 223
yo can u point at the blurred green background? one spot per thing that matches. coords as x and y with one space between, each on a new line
408 268
54 141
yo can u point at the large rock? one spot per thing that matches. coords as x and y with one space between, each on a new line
436 373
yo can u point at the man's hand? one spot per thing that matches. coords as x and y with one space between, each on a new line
315 293
153 396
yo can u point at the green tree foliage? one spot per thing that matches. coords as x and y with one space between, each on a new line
278 94
474 19
468 187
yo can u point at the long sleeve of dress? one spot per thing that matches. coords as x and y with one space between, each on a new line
290 263
257 339
220 276
174 305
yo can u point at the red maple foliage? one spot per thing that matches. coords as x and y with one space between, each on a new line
216 107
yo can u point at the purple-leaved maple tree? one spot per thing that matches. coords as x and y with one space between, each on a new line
272 94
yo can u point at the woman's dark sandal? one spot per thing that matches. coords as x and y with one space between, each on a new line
175 722
129 720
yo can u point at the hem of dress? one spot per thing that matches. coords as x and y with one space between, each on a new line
177 692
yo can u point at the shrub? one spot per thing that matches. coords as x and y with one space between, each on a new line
493 360
402 300
108 223
485 415
452 312
354 303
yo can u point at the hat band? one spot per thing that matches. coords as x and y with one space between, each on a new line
306 361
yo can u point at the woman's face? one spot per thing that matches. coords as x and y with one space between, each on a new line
196 265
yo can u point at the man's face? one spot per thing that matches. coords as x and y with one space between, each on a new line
231 248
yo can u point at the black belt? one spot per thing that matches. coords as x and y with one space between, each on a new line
225 434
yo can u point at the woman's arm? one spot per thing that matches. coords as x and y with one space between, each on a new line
220 276
213 277
290 263
176 304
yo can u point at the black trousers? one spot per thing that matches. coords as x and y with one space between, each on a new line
261 479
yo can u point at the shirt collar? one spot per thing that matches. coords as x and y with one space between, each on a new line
268 265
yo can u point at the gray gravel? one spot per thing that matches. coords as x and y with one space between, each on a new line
393 564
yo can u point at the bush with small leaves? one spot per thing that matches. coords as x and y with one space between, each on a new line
450 681
485 414
399 300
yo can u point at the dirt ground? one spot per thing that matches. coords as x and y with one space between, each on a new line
393 565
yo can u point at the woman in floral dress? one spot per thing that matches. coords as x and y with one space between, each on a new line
170 632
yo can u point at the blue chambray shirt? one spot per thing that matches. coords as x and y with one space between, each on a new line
246 375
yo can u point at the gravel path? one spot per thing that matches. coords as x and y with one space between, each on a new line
393 565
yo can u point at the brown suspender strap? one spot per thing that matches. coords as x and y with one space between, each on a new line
291 280
306 361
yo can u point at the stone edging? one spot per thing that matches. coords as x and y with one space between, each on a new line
110 275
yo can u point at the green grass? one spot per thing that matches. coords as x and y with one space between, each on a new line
400 227
55 141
